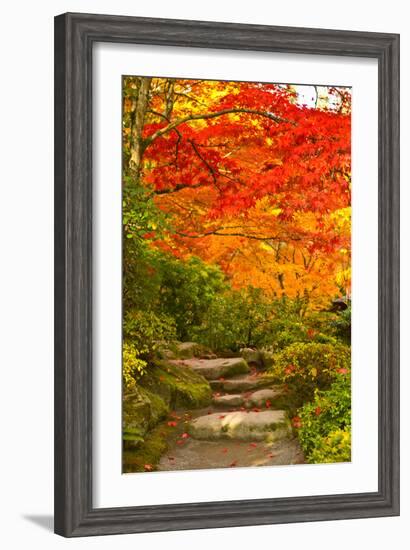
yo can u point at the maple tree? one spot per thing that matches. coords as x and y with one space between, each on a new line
248 178
236 225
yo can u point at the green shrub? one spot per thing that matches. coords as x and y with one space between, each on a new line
284 330
342 325
305 367
236 319
249 318
324 425
321 338
336 447
132 366
188 290
145 329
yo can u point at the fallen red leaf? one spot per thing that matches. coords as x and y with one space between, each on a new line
172 423
222 416
253 444
233 464
180 441
310 333
184 435
268 404
224 450
296 422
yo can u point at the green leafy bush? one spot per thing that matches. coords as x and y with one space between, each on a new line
324 425
247 317
284 332
342 325
289 326
305 367
132 366
235 319
188 290
336 447
143 331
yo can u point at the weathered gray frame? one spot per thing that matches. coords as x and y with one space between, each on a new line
74 38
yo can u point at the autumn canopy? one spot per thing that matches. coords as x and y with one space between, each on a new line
243 176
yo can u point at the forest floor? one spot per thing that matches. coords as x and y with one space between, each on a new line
244 426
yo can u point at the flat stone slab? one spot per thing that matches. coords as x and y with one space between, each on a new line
196 454
231 400
257 398
260 397
243 383
243 425
213 369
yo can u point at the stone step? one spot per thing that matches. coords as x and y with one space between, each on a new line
257 398
197 454
213 369
243 425
241 383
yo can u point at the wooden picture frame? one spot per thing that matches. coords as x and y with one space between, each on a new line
75 35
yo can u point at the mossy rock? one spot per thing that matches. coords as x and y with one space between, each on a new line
214 369
163 387
183 350
147 453
268 358
142 410
252 356
178 386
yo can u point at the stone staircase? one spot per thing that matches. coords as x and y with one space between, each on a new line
234 377
242 422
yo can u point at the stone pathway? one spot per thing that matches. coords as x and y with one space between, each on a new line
242 427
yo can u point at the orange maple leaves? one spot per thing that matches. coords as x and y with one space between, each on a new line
254 182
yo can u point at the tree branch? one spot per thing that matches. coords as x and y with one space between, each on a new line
206 116
179 187
247 236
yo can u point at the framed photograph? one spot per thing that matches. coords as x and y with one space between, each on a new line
226 274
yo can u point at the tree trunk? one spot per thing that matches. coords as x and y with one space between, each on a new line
140 103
